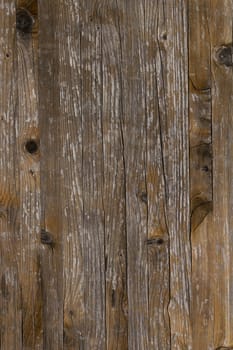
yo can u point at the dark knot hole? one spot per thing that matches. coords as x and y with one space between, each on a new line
31 146
24 21
159 241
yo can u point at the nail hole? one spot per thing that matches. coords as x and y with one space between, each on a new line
24 21
7 55
31 146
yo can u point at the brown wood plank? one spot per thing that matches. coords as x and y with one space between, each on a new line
201 177
156 116
82 177
10 296
79 175
221 255
93 180
134 138
71 175
176 165
27 132
210 99
139 117
110 17
51 199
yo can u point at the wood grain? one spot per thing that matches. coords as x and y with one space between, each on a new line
70 119
110 18
11 318
222 180
201 172
50 184
27 130
115 175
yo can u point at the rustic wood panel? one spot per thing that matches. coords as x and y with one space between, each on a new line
222 87
50 253
10 296
201 177
27 133
110 18
210 154
115 174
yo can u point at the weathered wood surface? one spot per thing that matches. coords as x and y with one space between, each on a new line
116 175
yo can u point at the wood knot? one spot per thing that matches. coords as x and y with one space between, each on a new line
32 146
4 288
156 241
46 238
224 55
24 21
164 36
143 197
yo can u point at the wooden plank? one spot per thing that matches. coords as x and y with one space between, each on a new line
176 165
134 138
71 174
158 235
222 89
78 190
162 141
82 176
51 209
93 180
110 17
201 177
144 180
10 296
210 99
27 132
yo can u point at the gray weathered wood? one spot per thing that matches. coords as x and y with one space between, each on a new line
115 175
27 130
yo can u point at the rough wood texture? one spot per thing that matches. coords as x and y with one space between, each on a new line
51 259
222 88
115 175
200 170
27 132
